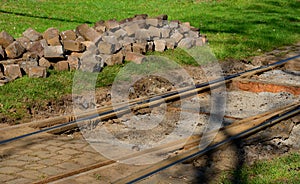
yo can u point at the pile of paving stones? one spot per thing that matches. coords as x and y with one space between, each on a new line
91 48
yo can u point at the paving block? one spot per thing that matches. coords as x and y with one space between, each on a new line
25 65
73 62
87 32
131 28
25 42
100 26
117 58
174 24
120 34
170 43
2 53
62 66
12 71
140 47
154 22
72 45
37 72
90 62
51 35
5 39
68 35
187 43
14 50
37 47
112 25
154 32
134 57
165 32
53 52
31 56
32 35
159 45
44 62
199 41
142 35
177 36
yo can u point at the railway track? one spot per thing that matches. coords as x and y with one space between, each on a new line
238 129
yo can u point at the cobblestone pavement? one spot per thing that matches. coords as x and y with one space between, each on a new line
38 157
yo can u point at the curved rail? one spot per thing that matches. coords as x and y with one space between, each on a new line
156 99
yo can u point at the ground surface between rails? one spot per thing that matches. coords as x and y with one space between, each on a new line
38 157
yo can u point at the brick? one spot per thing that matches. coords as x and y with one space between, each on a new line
142 35
120 34
36 46
73 62
89 62
100 26
199 41
117 58
177 36
32 35
131 28
37 72
73 46
6 39
112 25
12 71
170 43
2 53
134 57
159 45
68 35
154 32
174 24
51 35
186 43
62 66
25 42
25 65
44 62
87 32
31 56
106 48
193 34
165 32
154 22
53 52
14 50
139 47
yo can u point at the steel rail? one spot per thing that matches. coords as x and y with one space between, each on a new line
148 100
196 152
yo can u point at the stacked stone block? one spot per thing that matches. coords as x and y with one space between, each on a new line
91 48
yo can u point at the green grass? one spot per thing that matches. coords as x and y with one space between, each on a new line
285 169
235 29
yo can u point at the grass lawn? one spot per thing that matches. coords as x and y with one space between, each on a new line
235 29
284 169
